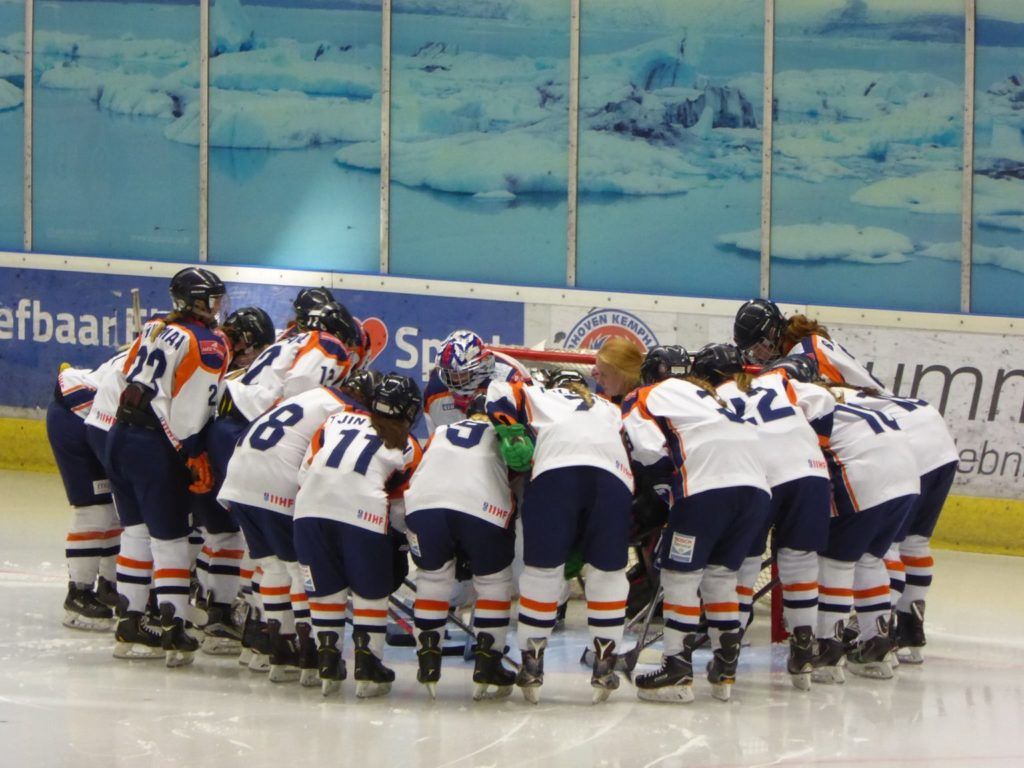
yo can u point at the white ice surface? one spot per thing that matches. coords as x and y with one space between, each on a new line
65 702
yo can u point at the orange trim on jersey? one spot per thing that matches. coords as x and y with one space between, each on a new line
685 610
129 359
193 361
274 591
127 562
316 443
371 613
608 605
835 592
860 594
434 397
800 586
172 573
431 605
745 591
537 605
918 562
483 604
825 366
846 483
790 392
328 607
721 607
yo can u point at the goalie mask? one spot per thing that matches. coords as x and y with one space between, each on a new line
397 397
758 328
662 363
799 367
464 364
198 292
717 362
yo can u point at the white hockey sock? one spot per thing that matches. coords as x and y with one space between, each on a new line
275 590
682 607
224 552
246 571
897 573
835 594
135 567
746 577
539 590
718 590
198 558
87 542
493 609
371 616
606 603
171 574
870 594
916 554
432 591
798 572
299 598
328 612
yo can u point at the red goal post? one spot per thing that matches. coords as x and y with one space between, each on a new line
767 592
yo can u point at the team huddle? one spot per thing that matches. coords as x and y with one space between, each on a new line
250 492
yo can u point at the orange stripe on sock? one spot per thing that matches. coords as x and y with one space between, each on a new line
371 613
493 605
274 591
244 573
800 586
833 592
894 565
127 562
299 598
331 607
918 562
745 591
431 605
172 573
536 605
721 607
228 554
87 536
861 594
612 605
684 610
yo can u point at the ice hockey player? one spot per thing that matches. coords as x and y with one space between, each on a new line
709 457
305 302
156 455
578 496
471 518
352 477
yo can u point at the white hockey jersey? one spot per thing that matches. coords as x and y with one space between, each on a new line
442 406
264 469
109 382
790 448
77 386
869 457
182 362
926 430
676 426
286 368
348 475
462 469
567 432
835 363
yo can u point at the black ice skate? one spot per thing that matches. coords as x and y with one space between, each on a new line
284 654
603 678
830 658
221 634
801 657
331 667
673 682
722 667
531 673
135 637
179 646
106 592
873 657
309 661
428 655
488 671
910 638
371 676
255 643
82 610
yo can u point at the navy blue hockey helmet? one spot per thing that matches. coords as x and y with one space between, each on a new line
717 362
198 292
307 300
663 362
397 397
758 328
361 385
562 377
249 327
334 319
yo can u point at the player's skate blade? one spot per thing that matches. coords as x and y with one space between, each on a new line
670 694
875 670
137 651
832 675
329 687
74 620
485 691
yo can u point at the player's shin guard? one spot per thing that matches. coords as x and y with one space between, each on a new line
870 594
718 590
224 552
835 598
682 607
135 567
89 541
746 577
432 591
275 591
539 590
493 608
916 554
370 618
199 561
328 613
897 574
171 575
299 598
798 572
606 593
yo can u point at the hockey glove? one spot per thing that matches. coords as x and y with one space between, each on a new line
516 446
202 475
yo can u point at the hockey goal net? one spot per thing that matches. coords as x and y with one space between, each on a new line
767 592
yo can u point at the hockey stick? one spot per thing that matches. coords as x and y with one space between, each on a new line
630 657
136 313
398 607
463 626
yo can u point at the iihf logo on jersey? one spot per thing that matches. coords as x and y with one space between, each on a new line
599 325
